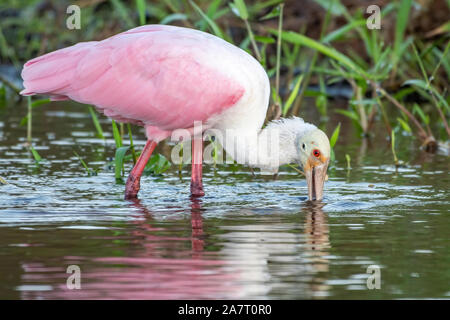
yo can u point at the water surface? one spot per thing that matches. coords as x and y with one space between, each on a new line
250 237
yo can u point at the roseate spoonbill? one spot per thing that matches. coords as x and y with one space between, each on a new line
166 78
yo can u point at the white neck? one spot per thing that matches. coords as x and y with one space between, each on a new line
269 148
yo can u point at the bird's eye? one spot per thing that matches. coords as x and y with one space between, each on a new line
304 146
316 153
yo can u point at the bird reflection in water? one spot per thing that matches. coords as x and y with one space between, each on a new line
197 228
155 265
317 244
197 234
263 255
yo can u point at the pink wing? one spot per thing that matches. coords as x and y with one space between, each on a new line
152 75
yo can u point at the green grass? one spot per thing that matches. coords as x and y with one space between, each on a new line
89 171
119 160
333 141
36 156
157 165
389 68
97 125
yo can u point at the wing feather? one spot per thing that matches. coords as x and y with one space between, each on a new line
154 75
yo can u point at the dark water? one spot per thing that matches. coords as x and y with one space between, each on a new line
250 237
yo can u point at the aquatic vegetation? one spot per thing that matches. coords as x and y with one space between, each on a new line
97 125
333 141
29 120
157 165
389 70
89 171
119 163
348 159
36 156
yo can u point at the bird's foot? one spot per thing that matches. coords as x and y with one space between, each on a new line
132 187
197 190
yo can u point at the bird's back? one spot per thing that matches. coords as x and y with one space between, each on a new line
158 76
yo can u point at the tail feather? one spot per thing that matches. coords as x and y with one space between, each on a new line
51 73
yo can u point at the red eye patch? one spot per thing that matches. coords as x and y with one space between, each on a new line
316 153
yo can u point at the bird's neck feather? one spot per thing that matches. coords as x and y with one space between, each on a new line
275 145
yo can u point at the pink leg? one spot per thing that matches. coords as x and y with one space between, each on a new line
134 179
197 158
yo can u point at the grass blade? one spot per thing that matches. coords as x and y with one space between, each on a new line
130 135
33 105
278 64
89 171
343 30
404 125
173 17
336 9
418 110
39 102
123 12
393 147
350 114
140 4
400 27
292 96
297 38
29 120
36 155
215 28
119 161
347 157
441 60
157 165
3 181
116 134
335 135
2 96
97 125
241 8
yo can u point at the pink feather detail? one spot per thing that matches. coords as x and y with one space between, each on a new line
151 75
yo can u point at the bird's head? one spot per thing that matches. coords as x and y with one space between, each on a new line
314 155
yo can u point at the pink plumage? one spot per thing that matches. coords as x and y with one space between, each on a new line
155 76
161 77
